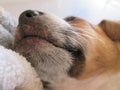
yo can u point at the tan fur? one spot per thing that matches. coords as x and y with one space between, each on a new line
111 28
72 55
102 52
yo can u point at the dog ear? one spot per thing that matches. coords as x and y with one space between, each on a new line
111 28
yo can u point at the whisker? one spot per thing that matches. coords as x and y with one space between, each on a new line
86 34
76 41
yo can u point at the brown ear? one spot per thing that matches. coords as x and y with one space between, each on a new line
111 28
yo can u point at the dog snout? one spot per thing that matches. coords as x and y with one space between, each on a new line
29 15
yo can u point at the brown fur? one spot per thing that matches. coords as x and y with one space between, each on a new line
72 55
102 53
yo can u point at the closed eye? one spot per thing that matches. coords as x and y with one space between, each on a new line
70 18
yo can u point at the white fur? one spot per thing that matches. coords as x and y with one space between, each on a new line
16 73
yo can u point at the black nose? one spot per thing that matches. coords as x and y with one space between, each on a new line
28 15
31 13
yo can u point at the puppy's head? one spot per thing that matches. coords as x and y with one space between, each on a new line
50 44
70 47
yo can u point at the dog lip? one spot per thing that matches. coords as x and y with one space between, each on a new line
33 36
36 36
39 38
26 36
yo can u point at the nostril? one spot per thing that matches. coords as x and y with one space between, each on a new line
31 13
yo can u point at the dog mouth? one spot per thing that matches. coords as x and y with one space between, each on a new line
27 32
30 36
35 39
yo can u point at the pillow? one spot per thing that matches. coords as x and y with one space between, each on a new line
7 28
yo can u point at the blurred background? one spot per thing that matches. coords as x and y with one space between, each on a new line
91 10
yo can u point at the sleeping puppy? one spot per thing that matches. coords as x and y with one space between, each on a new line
70 54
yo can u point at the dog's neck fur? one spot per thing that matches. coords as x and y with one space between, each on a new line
94 83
